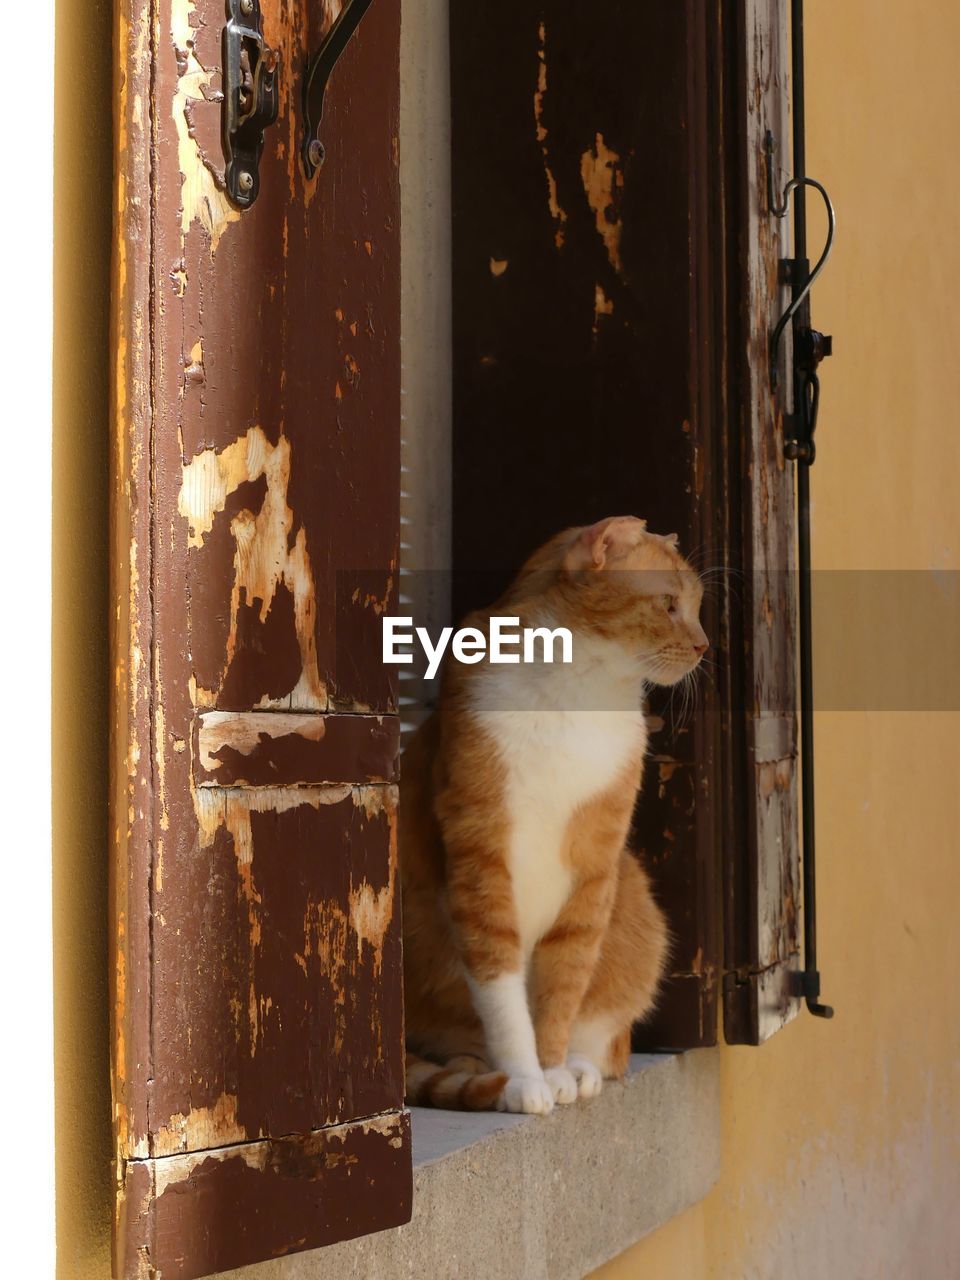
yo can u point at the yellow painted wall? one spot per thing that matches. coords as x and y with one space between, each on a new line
83 212
841 1140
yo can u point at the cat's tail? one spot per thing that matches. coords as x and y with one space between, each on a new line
462 1084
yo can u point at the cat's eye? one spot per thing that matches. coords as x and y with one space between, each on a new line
671 604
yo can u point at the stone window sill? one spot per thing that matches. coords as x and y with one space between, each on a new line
500 1197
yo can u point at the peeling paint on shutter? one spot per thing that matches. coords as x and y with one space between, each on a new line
257 1043
762 881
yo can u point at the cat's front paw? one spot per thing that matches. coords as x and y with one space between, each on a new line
530 1095
562 1083
587 1075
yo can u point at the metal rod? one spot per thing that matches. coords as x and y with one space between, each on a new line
799 141
805 388
811 974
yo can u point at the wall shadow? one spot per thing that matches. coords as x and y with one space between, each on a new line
81 152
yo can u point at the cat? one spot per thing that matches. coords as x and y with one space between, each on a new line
532 941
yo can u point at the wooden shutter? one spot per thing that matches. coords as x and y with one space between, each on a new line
587 376
761 848
615 284
257 1039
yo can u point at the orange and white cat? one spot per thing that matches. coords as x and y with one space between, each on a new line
532 941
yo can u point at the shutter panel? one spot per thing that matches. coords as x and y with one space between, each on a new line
761 942
257 1041
586 376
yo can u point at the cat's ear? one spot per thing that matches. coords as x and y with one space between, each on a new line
604 541
671 539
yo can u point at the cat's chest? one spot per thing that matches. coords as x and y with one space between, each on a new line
564 734
555 762
558 760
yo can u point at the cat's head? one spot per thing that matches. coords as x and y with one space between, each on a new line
634 587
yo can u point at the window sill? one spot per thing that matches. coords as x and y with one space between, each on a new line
500 1197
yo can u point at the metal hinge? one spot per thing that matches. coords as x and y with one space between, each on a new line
251 98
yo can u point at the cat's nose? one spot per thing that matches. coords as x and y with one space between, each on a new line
701 647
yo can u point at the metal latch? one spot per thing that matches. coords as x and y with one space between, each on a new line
251 98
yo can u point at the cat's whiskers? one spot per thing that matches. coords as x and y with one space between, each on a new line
677 717
681 717
688 689
689 702
698 554
709 674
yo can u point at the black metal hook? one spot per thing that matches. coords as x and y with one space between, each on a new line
319 69
779 209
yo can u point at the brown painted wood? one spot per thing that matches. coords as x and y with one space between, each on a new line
587 375
256 530
215 1210
275 748
762 879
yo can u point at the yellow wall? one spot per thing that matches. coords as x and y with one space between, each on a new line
840 1140
83 211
